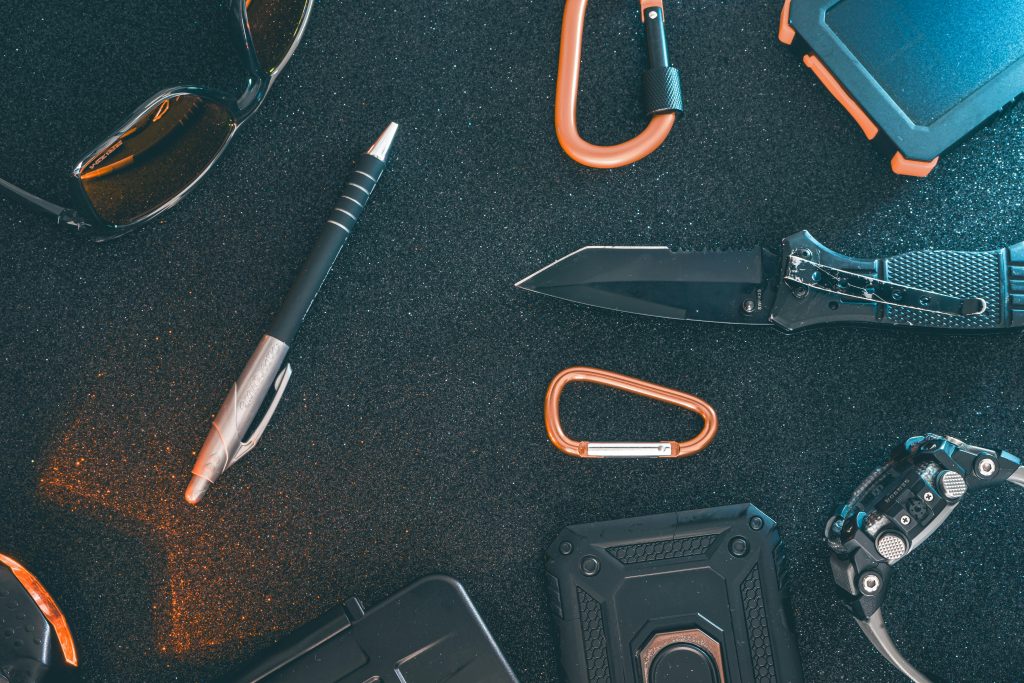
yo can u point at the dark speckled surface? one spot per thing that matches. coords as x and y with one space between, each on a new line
411 439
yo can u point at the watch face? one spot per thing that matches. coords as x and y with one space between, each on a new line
906 500
903 502
900 505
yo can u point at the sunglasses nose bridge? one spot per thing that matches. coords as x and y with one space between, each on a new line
252 96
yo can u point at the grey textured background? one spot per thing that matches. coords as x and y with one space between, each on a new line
411 439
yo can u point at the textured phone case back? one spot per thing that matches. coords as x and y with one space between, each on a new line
427 633
694 597
27 640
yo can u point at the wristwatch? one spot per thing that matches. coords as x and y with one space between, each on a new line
894 511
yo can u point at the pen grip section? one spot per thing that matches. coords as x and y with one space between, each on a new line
340 223
354 195
238 412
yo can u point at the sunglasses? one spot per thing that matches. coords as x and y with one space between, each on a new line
172 140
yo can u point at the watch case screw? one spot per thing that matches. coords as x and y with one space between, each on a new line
870 583
986 467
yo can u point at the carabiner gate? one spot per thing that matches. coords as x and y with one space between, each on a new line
660 449
663 92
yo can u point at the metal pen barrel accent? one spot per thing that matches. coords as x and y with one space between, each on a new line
226 444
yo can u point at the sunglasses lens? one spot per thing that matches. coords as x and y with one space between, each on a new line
165 150
275 28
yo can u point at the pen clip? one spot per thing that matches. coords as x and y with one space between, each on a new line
279 386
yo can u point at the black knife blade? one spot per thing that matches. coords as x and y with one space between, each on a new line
807 285
726 287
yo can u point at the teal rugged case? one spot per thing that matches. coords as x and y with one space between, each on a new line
923 73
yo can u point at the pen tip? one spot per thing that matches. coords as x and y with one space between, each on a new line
196 490
381 147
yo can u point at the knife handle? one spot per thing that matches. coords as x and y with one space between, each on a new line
997 277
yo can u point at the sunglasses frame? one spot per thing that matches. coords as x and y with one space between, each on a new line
85 221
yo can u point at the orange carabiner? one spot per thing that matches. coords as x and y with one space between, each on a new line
661 449
662 91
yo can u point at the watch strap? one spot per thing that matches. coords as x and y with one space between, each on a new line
874 628
1017 477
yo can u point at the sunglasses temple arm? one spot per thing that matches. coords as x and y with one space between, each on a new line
35 202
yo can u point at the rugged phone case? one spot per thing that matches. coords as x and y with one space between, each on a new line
28 645
689 597
426 633
924 73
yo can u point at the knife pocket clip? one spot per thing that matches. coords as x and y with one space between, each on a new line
279 386
802 271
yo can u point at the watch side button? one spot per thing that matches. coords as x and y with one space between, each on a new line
891 546
951 485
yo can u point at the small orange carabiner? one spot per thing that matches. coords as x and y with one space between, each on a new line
661 449
662 90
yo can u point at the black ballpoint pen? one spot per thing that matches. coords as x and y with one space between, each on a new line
224 445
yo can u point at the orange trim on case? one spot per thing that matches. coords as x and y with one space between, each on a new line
838 92
48 606
912 167
570 52
647 4
786 32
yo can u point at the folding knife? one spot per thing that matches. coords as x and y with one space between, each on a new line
807 284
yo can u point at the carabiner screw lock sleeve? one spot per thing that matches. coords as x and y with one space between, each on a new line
662 91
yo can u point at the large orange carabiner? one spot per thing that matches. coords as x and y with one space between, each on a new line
662 91
660 449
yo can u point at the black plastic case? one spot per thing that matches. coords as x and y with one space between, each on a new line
689 597
28 644
427 633
926 73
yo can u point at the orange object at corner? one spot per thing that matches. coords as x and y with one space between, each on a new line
833 85
566 92
47 605
666 449
901 165
786 32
